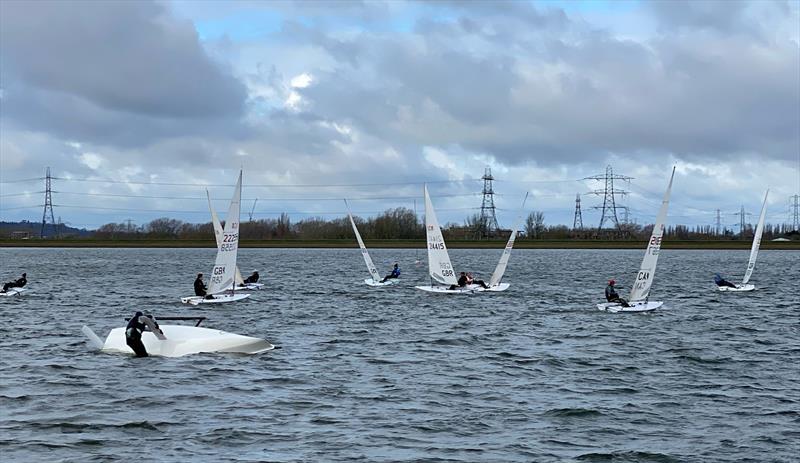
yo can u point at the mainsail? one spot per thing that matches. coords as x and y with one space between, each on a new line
439 266
751 265
370 266
223 274
503 263
218 235
644 279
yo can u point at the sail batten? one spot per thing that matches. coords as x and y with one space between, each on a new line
439 267
644 279
224 272
751 264
364 253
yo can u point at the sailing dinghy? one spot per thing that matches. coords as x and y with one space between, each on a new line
13 292
376 277
440 270
240 284
180 340
751 265
223 274
640 292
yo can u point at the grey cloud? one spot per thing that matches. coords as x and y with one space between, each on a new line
126 60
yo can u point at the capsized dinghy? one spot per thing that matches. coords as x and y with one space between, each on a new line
180 340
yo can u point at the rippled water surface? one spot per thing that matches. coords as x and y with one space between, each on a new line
395 374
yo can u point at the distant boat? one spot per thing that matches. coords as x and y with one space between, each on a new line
751 264
180 340
223 275
440 270
640 292
218 234
376 277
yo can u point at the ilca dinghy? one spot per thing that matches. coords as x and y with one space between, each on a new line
376 277
751 264
13 292
440 270
640 292
179 340
222 284
218 236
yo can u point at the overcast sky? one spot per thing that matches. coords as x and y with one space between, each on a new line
319 101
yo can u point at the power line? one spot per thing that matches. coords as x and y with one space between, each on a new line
362 198
265 185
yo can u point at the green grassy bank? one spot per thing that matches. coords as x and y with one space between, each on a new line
453 244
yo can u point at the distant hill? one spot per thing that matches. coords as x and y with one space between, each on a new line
33 229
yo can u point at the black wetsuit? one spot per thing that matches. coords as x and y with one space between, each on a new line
612 296
199 287
395 274
19 283
462 282
252 278
133 335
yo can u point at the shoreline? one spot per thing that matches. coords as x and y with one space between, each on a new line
398 244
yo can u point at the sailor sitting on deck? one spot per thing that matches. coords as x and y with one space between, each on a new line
395 273
721 281
133 332
612 296
18 283
473 281
252 278
200 288
462 282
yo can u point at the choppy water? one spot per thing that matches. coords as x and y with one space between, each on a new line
394 374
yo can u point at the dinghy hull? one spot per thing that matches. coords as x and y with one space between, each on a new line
737 289
185 340
642 306
13 292
249 287
469 289
217 299
371 282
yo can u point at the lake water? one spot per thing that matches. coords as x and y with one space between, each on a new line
394 374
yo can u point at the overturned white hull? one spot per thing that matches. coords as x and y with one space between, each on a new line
182 340
12 292
737 289
469 289
215 299
249 287
641 306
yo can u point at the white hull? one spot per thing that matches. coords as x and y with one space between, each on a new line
217 299
737 289
184 340
469 289
391 281
249 287
13 292
615 307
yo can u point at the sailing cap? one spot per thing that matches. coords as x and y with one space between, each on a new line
611 282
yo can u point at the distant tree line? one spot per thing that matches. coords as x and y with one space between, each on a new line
402 223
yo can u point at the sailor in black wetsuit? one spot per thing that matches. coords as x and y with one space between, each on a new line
722 281
199 287
133 335
395 273
252 278
462 282
612 296
18 283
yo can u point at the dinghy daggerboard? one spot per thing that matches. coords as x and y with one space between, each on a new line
751 264
640 292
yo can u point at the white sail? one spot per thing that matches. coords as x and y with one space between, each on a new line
223 274
439 266
644 279
751 265
218 235
370 266
503 263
